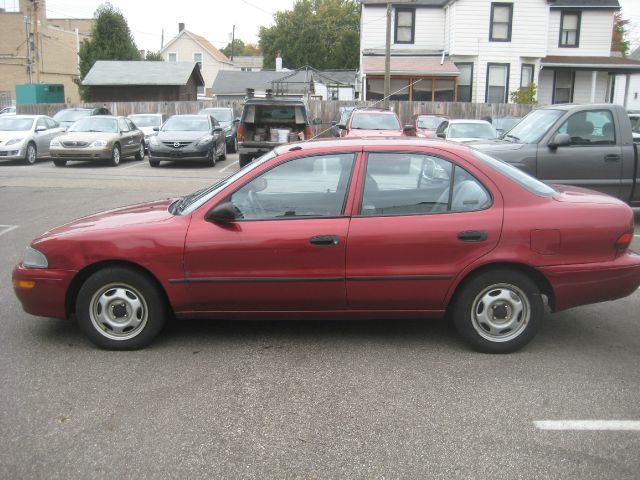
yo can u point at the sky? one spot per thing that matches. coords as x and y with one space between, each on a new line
214 19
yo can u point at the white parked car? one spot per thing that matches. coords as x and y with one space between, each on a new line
466 130
27 137
8 111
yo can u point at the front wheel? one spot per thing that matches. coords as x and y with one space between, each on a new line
30 154
245 159
140 152
120 308
154 163
234 145
115 156
223 155
58 162
211 158
498 311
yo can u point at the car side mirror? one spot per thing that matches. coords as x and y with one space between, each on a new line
40 128
236 120
441 135
560 140
333 123
341 126
156 129
409 130
222 213
217 129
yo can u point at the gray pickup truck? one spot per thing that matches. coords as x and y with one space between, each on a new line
589 146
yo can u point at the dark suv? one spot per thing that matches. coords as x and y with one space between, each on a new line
268 122
68 116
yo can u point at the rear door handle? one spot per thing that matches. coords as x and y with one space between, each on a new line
472 236
612 157
326 240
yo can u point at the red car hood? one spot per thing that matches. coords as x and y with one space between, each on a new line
375 133
572 194
119 218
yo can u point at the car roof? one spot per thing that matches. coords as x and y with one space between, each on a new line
137 114
273 101
468 120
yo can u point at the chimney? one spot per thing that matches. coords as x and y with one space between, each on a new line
278 62
180 27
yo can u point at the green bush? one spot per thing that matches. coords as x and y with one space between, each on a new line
525 95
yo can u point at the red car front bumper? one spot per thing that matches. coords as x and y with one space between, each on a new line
42 291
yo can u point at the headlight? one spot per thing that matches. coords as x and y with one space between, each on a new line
205 139
34 259
99 143
54 143
13 141
154 140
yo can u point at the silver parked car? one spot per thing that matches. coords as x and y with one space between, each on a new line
27 137
99 138
147 122
466 130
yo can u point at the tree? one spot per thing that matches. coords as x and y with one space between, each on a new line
241 48
324 34
110 39
154 57
619 42
525 95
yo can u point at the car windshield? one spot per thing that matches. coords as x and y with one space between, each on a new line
189 203
71 115
505 123
471 130
146 120
13 124
635 123
95 124
220 114
375 121
430 122
523 179
186 124
533 127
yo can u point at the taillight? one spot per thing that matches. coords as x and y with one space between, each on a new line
623 241
240 132
307 133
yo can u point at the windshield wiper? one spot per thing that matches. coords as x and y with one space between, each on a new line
516 139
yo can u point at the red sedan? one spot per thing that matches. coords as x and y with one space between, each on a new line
332 229
372 122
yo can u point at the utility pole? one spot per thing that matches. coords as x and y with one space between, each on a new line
162 40
233 37
29 60
36 49
387 60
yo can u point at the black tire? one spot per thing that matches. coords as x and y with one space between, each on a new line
31 154
211 159
154 163
140 152
137 309
59 162
233 148
516 307
245 159
223 157
115 156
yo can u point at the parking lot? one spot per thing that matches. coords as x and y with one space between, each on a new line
277 399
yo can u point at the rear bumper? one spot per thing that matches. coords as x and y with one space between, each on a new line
582 284
46 296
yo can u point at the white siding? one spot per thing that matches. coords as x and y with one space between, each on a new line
545 87
595 34
429 29
582 87
633 99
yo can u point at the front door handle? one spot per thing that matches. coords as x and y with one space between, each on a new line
326 240
613 157
472 236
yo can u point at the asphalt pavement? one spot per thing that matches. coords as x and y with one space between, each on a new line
298 399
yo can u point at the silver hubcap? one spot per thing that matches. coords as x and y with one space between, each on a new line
500 312
116 156
142 150
118 311
31 154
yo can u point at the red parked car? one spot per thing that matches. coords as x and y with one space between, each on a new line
426 125
372 122
325 229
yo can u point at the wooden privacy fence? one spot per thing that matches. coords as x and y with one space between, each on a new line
321 112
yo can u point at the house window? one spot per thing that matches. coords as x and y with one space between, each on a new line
173 57
405 25
465 81
444 91
399 89
526 75
197 57
497 82
423 90
563 86
569 29
501 20
201 90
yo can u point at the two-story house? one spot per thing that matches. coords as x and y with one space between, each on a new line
481 50
190 47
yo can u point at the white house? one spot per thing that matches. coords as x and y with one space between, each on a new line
480 51
189 47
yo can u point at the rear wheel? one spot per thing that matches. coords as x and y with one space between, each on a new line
140 152
234 145
154 163
498 311
115 156
31 154
120 308
245 159
59 162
